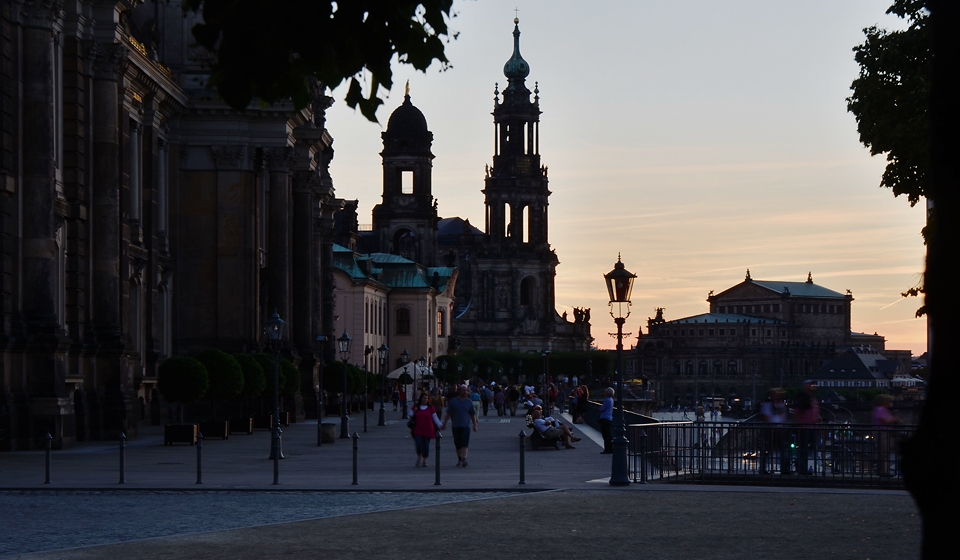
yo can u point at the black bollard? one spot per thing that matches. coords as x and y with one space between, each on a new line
123 445
49 439
356 438
199 458
437 460
523 436
643 457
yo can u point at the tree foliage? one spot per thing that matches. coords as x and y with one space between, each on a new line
254 377
226 377
273 49
182 380
891 96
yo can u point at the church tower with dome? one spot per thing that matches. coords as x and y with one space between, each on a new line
505 297
505 289
405 221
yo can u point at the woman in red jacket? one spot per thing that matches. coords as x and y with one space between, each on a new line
425 425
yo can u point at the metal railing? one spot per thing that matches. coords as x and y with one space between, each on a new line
844 455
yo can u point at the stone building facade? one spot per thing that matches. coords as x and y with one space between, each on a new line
505 274
140 217
756 335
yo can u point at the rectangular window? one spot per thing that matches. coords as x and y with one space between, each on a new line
710 332
722 332
440 330
733 332
403 321
406 182
753 332
701 332
766 308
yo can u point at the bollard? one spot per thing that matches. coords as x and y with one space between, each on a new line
356 438
643 457
49 439
437 460
123 445
199 458
523 435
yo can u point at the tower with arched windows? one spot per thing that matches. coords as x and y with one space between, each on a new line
405 221
505 291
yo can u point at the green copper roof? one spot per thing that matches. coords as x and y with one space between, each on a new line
516 69
798 289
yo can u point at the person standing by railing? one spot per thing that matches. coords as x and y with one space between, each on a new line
807 415
774 412
606 420
883 420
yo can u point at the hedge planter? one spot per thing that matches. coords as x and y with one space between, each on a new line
180 433
215 429
241 425
265 422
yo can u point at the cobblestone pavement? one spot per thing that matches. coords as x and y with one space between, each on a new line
663 523
51 521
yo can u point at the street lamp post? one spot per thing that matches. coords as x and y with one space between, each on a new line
320 340
382 351
344 345
274 331
404 359
366 379
422 362
619 285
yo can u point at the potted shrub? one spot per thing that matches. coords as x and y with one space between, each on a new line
263 420
226 382
254 382
183 381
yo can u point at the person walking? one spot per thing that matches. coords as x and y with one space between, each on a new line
513 397
499 400
463 416
606 420
425 423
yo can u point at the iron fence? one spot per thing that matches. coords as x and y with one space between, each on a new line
844 455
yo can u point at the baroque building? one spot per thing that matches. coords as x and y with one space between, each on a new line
141 217
505 298
756 335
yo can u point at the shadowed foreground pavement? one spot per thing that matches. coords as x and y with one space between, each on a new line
664 522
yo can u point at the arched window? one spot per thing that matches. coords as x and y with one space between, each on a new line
676 367
525 214
703 367
403 320
717 367
689 367
732 367
527 287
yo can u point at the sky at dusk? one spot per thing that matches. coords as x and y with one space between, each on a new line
697 139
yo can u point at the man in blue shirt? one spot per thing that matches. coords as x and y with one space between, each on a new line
460 410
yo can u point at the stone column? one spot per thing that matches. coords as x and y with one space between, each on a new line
279 162
43 361
109 60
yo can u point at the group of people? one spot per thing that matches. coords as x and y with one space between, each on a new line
425 422
804 415
462 409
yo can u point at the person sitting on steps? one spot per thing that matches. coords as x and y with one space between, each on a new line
550 428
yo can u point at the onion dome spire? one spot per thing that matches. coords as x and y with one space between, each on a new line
516 69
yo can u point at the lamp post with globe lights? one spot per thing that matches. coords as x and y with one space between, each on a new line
404 359
273 328
344 343
619 286
382 352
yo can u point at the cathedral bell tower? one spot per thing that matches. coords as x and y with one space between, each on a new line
516 186
516 198
405 222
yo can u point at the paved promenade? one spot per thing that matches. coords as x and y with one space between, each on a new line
565 508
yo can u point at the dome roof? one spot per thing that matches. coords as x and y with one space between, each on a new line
516 68
407 120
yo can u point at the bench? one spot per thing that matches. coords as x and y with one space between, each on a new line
537 440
